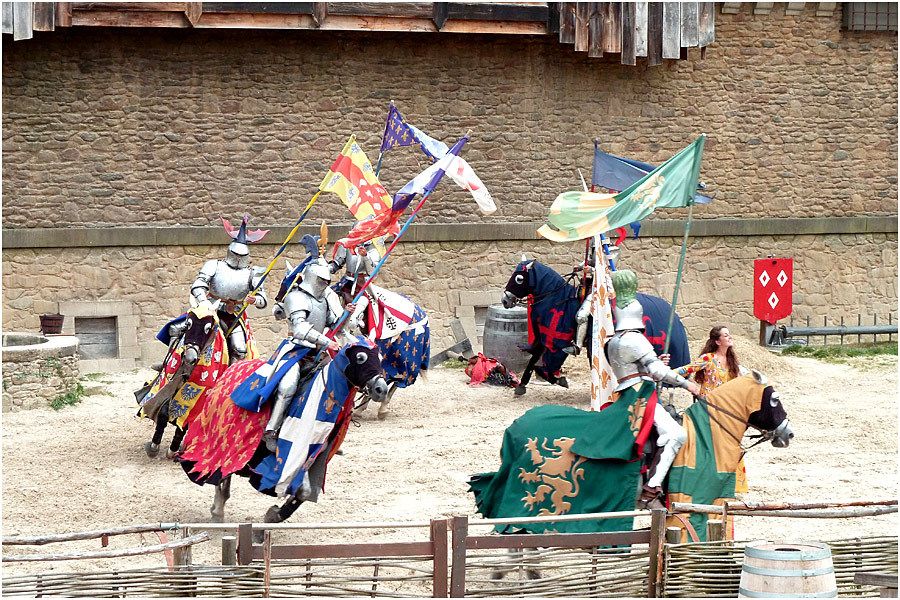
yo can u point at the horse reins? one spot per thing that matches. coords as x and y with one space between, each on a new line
764 436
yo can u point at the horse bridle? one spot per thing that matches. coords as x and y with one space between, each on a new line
764 435
540 298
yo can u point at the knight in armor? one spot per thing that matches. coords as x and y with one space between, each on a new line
360 263
232 281
633 361
311 308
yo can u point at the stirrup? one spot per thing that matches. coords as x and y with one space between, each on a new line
572 350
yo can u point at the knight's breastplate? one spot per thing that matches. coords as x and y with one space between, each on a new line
623 362
229 284
316 308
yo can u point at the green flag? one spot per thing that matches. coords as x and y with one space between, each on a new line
560 460
579 215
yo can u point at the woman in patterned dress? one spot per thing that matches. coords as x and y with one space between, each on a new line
717 364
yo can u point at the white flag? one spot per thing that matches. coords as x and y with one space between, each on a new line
603 379
465 177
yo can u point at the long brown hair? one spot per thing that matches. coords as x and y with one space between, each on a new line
710 347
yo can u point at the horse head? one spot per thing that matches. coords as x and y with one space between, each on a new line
363 368
201 325
751 399
520 284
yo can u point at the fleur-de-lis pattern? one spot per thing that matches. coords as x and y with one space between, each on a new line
603 379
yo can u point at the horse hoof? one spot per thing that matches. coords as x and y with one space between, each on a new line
520 390
272 515
170 454
259 536
563 382
217 518
151 449
382 415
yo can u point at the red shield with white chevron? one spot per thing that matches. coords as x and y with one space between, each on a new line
773 285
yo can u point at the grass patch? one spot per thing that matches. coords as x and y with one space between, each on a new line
454 363
840 353
70 398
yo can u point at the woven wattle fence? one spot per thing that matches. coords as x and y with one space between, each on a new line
713 569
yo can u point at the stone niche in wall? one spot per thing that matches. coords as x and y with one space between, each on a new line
107 332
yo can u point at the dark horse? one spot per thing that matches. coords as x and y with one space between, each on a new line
552 321
226 439
197 355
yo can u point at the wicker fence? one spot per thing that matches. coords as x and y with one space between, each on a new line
449 561
713 569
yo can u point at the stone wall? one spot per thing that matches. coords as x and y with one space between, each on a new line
164 128
108 127
35 376
842 275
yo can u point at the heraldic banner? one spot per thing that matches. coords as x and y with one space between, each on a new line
560 460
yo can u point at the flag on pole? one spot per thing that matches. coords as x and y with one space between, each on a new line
400 133
616 173
603 379
353 179
579 215
422 184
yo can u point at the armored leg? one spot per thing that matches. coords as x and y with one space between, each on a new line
237 345
287 388
672 437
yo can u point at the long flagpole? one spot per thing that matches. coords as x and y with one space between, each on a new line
687 231
265 274
412 217
387 124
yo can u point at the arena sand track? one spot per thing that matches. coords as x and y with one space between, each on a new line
84 467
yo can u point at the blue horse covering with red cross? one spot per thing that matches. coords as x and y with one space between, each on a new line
551 316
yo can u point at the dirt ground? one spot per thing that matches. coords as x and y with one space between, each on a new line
84 467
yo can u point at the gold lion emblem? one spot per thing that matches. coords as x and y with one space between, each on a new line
648 194
557 475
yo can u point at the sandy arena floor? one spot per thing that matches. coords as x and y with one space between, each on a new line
84 467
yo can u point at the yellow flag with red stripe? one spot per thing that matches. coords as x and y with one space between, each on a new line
353 179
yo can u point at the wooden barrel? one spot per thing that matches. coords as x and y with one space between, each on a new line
783 570
505 329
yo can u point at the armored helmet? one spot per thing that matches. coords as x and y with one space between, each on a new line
316 277
238 254
628 313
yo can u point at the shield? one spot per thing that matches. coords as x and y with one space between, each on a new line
773 284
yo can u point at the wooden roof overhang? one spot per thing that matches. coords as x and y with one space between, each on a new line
651 30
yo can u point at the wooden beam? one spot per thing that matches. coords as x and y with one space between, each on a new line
440 14
193 12
44 16
128 19
64 14
419 10
566 22
440 584
7 16
595 30
628 33
501 27
496 12
270 8
130 6
583 11
706 24
288 552
640 28
320 13
553 18
671 34
23 17
690 24
654 33
611 19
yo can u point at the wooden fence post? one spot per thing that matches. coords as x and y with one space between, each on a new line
183 558
229 550
245 544
715 530
460 529
657 546
439 571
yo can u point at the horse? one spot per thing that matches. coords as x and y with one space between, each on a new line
553 304
227 439
562 460
197 355
400 329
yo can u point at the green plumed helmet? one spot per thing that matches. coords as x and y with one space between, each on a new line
625 283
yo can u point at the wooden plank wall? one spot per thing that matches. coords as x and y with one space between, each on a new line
651 30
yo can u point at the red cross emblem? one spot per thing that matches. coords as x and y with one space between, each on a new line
552 333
